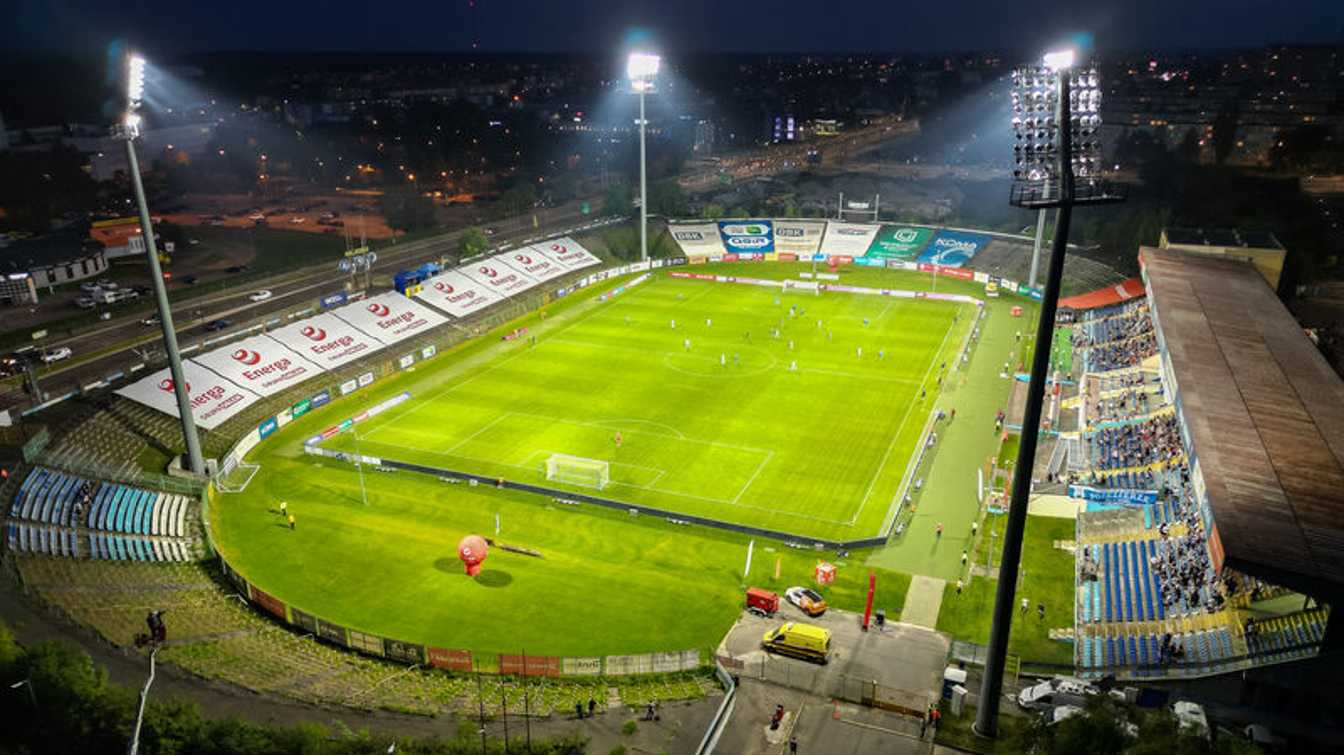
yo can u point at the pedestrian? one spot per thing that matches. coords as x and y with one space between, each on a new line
975 525
649 711
291 521
1040 611
938 530
1025 606
592 707
934 718
283 506
963 556
959 585
793 745
924 721
578 710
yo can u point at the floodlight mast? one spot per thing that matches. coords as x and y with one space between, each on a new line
641 68
1045 153
128 130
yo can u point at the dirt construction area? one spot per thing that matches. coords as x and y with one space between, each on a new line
354 212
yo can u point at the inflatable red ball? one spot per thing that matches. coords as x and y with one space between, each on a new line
472 550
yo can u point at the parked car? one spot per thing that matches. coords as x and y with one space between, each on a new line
107 284
296 220
257 216
799 640
190 280
57 354
807 600
151 321
216 325
85 302
89 287
1061 690
261 295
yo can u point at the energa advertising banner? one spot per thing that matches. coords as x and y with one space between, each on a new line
326 340
953 248
456 294
899 241
390 317
498 278
697 239
747 236
213 399
260 364
848 239
800 237
532 263
566 251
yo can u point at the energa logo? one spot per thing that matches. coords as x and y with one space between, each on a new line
316 334
446 288
379 309
166 385
247 356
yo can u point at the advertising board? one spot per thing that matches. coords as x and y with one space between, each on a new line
847 239
260 364
747 236
214 399
697 239
456 294
390 317
326 340
953 248
798 237
899 242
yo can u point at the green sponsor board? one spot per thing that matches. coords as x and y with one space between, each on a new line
899 241
300 408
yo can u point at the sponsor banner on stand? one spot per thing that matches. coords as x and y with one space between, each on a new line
326 340
569 253
213 398
697 240
532 263
260 364
953 248
267 427
747 236
406 652
529 665
453 660
349 387
1113 495
503 280
334 300
456 294
406 361
581 666
268 602
847 239
390 317
798 237
899 241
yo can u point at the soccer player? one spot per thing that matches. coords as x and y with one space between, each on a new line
291 522
865 322
686 343
881 353
790 345
708 322
674 324
793 366
737 360
283 506
618 438
860 352
723 359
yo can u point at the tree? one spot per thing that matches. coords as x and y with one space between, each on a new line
517 200
405 210
618 201
472 242
668 199
712 211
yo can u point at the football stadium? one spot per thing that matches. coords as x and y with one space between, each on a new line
543 464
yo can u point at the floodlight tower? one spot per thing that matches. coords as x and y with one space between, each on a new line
128 130
1058 160
642 68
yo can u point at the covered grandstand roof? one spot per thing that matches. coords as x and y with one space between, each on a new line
1265 414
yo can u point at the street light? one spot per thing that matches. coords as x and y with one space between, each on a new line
128 130
1057 163
642 68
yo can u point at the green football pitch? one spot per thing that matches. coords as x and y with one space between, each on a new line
793 412
813 448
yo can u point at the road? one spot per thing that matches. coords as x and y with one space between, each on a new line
121 344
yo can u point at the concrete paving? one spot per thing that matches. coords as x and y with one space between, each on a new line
922 602
864 700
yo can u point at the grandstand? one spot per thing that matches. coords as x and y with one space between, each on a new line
1210 447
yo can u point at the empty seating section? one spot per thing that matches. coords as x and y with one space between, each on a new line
1149 601
61 514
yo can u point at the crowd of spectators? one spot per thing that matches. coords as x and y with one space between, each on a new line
1137 445
1123 337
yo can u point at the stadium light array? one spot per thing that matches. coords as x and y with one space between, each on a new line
128 130
1056 163
641 68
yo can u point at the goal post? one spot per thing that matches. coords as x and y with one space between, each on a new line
576 470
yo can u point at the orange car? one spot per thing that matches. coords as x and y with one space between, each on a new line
808 601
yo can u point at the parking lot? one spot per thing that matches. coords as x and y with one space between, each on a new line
865 699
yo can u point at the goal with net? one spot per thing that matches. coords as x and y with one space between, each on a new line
576 470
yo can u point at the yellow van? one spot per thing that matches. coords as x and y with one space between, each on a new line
798 640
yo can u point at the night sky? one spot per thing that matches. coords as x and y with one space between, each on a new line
687 26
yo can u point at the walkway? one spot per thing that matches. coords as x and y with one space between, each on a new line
922 601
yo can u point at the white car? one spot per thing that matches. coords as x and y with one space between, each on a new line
296 220
807 600
57 354
107 285
88 288
261 295
85 302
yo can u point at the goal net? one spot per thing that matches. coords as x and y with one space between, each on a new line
576 470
